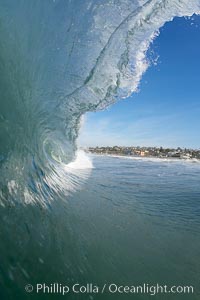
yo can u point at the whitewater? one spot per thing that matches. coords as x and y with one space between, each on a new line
59 60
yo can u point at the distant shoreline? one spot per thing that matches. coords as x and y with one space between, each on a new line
135 156
188 157
148 152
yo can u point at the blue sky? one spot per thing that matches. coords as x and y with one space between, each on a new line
166 110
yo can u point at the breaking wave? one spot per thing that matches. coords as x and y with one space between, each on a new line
58 60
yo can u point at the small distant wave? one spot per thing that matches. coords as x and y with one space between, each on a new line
152 159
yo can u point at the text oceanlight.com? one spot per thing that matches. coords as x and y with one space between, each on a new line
112 288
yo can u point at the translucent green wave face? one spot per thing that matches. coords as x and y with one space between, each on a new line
58 60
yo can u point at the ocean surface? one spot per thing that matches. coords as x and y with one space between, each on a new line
133 221
62 220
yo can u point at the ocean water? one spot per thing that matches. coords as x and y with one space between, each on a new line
61 220
134 221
